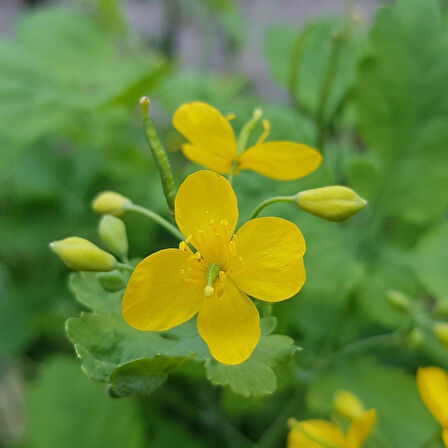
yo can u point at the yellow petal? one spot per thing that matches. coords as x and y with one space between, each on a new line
347 404
212 139
361 428
206 158
230 325
271 250
158 297
281 160
207 212
445 437
315 434
432 384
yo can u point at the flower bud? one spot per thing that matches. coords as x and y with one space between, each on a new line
398 299
442 307
441 331
112 281
82 255
335 203
347 404
416 338
110 203
113 234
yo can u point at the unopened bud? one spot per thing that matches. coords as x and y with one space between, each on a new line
347 404
335 203
110 203
441 331
112 231
416 338
82 255
442 307
112 281
398 299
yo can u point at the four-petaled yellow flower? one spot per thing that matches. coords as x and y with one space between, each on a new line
213 145
433 387
264 260
318 433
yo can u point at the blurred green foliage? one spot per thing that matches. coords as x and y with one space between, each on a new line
375 103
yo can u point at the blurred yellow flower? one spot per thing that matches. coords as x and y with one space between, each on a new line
318 433
347 404
213 144
264 260
432 384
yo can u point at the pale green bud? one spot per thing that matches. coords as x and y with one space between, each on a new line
110 203
113 234
82 255
112 281
335 203
416 338
398 299
442 307
441 331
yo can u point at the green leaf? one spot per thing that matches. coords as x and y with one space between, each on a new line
403 111
308 53
403 419
430 260
255 376
66 410
89 292
62 63
143 375
133 361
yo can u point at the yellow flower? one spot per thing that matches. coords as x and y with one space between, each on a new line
213 145
432 384
264 260
325 434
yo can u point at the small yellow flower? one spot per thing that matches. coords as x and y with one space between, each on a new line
213 145
432 384
323 434
264 260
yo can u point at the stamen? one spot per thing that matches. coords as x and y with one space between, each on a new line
183 246
266 132
222 276
224 222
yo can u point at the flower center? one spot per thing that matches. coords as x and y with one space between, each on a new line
212 274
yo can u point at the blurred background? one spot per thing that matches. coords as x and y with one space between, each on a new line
363 81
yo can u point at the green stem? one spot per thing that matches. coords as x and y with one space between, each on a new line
326 89
294 69
125 266
273 435
157 218
362 344
264 204
247 130
159 154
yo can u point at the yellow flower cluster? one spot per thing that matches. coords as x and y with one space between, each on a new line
319 433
